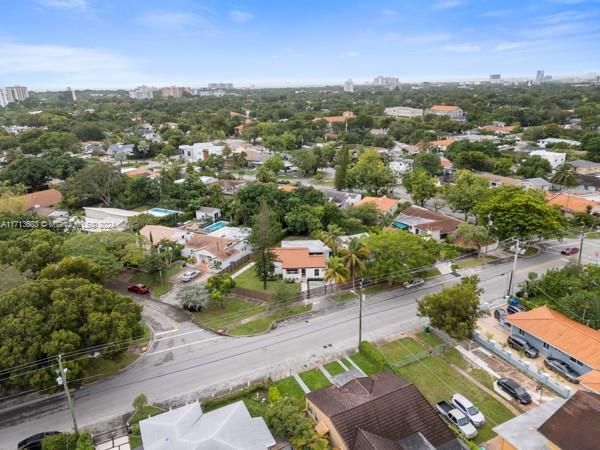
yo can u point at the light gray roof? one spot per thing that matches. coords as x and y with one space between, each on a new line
313 245
583 163
522 432
536 182
412 221
209 210
228 428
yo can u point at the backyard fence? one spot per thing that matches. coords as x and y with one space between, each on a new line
521 365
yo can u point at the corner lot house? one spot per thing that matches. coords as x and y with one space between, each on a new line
555 335
424 222
298 264
380 412
188 427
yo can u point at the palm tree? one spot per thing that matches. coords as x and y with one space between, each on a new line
565 175
336 271
330 237
354 257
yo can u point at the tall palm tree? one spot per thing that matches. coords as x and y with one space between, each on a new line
354 257
330 237
565 175
336 271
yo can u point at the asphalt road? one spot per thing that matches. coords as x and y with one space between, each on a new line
186 362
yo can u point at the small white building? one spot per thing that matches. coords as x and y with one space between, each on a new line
401 166
123 149
200 151
554 158
208 213
403 111
106 219
550 141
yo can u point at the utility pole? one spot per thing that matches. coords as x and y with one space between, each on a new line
360 311
581 245
514 267
62 380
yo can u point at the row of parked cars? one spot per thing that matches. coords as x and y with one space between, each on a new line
462 413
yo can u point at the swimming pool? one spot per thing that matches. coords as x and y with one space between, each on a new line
216 226
161 212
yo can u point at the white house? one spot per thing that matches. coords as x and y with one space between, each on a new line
123 149
554 158
208 213
200 151
341 198
188 427
550 141
450 111
403 111
297 264
315 246
233 233
106 219
401 166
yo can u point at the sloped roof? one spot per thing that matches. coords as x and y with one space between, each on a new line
428 220
383 405
591 380
572 203
298 258
220 248
157 233
383 204
49 197
573 338
445 108
575 426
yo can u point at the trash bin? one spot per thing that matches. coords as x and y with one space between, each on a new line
426 328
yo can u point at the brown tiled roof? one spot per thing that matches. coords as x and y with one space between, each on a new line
383 204
298 258
369 441
440 222
441 142
559 331
576 424
384 405
445 108
49 197
573 203
500 179
157 233
219 247
591 380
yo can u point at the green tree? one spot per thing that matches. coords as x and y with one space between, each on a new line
330 237
466 192
534 166
420 185
565 175
265 175
306 160
68 441
511 211
274 164
336 271
219 287
470 234
354 257
428 161
193 297
169 250
97 181
341 170
286 419
74 267
32 251
371 174
31 172
454 309
266 232
302 220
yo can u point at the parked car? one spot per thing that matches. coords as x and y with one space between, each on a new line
414 283
513 309
139 289
189 276
515 390
450 413
522 345
520 250
500 315
34 442
562 368
569 251
464 405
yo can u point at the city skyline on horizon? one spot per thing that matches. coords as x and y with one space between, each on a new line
88 44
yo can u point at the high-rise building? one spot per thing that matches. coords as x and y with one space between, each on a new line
348 85
539 76
173 91
495 78
16 93
68 95
220 85
3 99
385 81
142 93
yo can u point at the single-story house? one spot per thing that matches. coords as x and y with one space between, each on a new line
558 336
584 167
379 412
571 204
536 183
401 166
148 173
439 144
156 233
106 219
498 180
556 424
342 199
384 205
496 129
287 188
199 151
41 199
550 141
89 147
315 246
231 187
234 233
215 253
120 149
421 221
188 427
297 264
208 213
554 158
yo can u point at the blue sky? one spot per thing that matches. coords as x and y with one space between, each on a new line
124 43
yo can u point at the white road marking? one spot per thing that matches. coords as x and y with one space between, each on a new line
178 335
166 332
182 346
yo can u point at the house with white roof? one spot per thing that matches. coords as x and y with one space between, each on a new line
106 219
120 149
551 141
188 427
200 151
554 158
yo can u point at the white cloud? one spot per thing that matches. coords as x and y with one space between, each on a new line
168 20
240 16
447 4
462 48
507 46
562 17
65 4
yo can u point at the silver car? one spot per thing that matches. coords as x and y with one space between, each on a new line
189 276
465 406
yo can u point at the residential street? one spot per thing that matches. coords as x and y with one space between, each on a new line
185 361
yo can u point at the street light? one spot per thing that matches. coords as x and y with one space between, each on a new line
61 380
360 310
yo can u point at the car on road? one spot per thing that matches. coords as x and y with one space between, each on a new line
453 415
562 368
34 442
515 390
139 288
414 283
464 405
522 345
513 309
190 275
500 315
569 251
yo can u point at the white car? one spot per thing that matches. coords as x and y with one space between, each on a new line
414 283
468 409
189 276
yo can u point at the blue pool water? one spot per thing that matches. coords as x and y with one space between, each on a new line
161 212
215 226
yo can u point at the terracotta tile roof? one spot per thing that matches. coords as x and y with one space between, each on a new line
287 188
157 233
492 178
298 258
49 197
445 108
591 380
141 172
441 143
495 129
436 221
575 425
446 163
573 338
383 204
572 203
220 248
381 408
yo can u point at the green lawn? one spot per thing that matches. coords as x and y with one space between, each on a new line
472 262
289 387
10 278
402 350
334 368
430 273
153 282
344 297
593 235
235 310
364 363
430 339
264 323
250 280
314 379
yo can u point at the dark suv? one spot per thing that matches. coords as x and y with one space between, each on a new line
562 368
34 442
513 309
515 390
521 345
